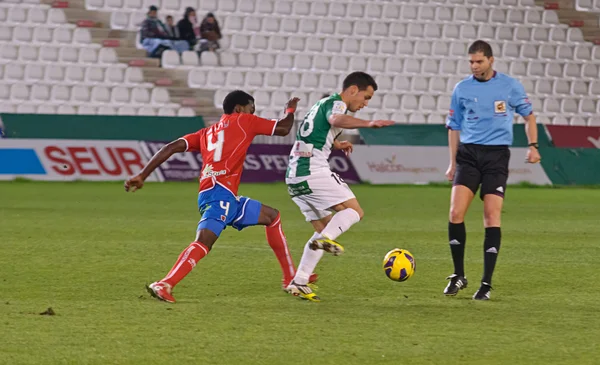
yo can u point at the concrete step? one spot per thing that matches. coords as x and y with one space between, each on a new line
579 21
102 19
210 115
124 43
186 92
552 4
105 33
148 62
71 4
572 14
592 35
130 52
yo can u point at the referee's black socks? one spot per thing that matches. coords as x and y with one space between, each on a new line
491 248
457 236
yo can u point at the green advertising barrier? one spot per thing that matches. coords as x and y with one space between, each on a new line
97 127
571 166
434 135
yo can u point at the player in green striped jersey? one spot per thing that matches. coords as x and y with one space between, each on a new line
313 186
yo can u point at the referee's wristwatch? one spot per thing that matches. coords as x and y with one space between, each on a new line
535 144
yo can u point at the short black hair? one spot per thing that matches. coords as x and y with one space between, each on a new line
481 46
169 17
152 8
361 79
237 97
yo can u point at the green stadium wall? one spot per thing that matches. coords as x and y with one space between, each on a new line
434 135
562 166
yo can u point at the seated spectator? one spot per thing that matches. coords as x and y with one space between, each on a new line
154 36
171 28
210 33
189 29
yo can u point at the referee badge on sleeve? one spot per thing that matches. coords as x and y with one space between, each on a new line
499 106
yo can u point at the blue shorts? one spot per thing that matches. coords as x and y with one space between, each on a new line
220 208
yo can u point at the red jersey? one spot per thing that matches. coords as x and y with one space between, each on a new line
224 146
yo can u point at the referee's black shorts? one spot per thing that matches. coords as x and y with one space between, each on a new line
482 165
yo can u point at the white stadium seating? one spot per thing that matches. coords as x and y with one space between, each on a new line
415 55
50 66
416 50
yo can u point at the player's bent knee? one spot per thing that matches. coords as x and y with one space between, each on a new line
352 204
267 215
360 212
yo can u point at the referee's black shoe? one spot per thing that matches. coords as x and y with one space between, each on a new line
484 292
456 283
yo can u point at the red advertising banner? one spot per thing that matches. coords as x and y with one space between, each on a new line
574 136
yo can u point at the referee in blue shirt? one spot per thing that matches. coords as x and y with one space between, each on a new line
480 131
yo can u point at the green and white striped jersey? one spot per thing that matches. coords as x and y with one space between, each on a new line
314 140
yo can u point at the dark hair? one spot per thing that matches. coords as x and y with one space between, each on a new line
188 10
152 8
481 46
237 97
361 79
169 17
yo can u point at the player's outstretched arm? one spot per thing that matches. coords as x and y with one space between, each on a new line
137 182
349 122
284 126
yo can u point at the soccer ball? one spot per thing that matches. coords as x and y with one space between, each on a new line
399 264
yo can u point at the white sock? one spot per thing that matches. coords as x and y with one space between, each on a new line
340 223
308 262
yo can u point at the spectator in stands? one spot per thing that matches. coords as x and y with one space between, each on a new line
172 29
189 29
155 38
210 33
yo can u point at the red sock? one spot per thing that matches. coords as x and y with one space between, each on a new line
278 243
185 263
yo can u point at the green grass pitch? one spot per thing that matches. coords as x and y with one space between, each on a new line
87 249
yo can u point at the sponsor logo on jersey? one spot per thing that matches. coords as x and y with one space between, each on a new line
209 172
499 106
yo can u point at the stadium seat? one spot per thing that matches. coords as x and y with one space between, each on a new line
60 94
75 75
146 111
94 75
34 73
26 109
80 94
27 54
126 110
160 96
40 94
186 112
166 112
47 109
106 110
100 95
88 56
86 110
134 76
140 96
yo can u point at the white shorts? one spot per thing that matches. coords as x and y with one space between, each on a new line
315 195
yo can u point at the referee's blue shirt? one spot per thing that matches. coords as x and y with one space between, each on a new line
483 111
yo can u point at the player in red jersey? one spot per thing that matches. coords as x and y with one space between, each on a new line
223 147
